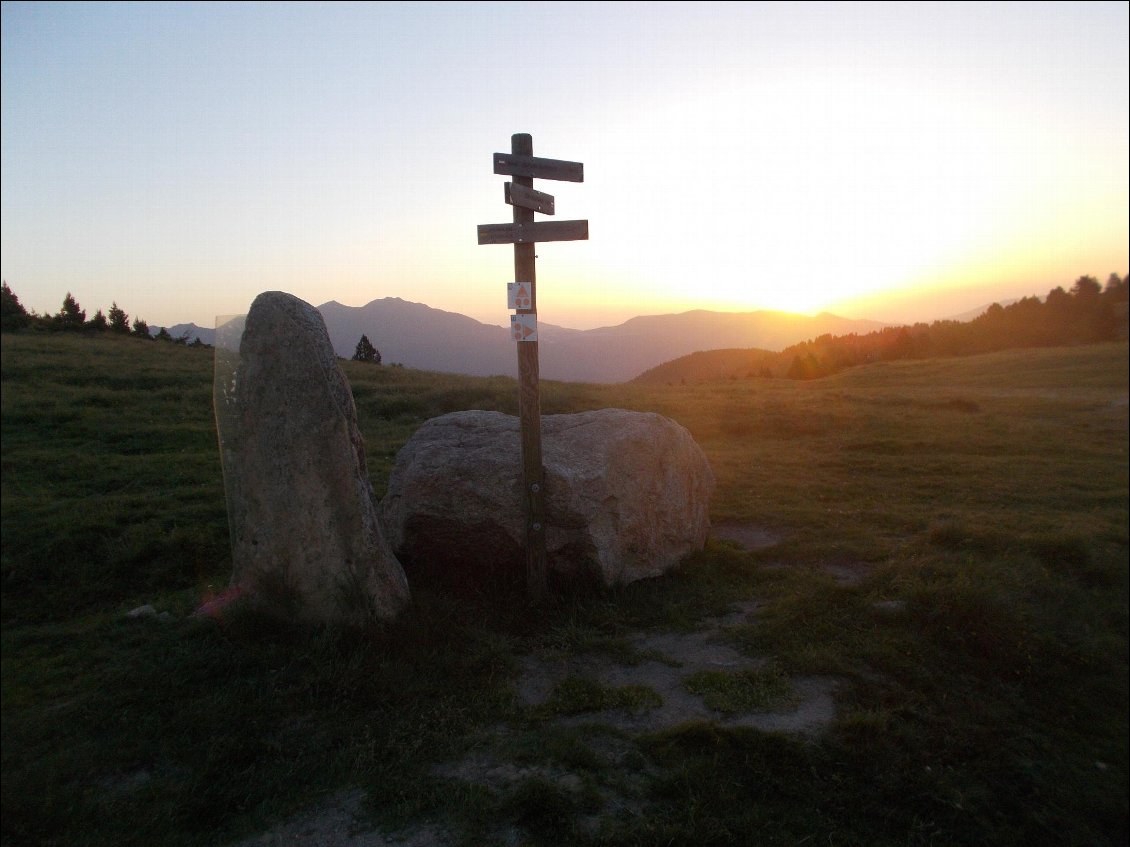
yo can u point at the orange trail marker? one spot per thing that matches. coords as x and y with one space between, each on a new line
524 327
518 296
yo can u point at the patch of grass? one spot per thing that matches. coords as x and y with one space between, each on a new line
111 475
564 746
741 692
576 695
545 808
718 783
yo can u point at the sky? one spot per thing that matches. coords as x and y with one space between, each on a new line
899 162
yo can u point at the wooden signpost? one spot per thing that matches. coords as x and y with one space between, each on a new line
523 233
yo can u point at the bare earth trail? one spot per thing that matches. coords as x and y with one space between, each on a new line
659 661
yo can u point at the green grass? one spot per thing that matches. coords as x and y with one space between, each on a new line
738 692
576 695
982 653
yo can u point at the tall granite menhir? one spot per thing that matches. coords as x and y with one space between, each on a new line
306 542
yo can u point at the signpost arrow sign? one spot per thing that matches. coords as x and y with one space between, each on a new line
528 233
531 166
527 198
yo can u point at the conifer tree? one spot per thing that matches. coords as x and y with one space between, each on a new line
366 352
71 315
12 313
119 320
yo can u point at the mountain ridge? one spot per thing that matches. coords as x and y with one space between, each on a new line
420 336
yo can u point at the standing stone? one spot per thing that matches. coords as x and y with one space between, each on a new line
627 497
306 542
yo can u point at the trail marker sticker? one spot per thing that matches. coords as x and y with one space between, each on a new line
524 327
518 296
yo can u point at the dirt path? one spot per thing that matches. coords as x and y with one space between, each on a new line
671 660
663 663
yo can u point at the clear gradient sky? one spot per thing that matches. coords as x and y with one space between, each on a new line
889 161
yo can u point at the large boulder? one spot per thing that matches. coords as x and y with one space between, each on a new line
306 541
627 497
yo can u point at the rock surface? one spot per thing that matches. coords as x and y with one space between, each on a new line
627 497
305 536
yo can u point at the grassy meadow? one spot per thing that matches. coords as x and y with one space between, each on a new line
981 649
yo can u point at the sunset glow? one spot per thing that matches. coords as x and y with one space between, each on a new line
893 162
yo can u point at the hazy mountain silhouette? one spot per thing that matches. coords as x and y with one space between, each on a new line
190 332
418 336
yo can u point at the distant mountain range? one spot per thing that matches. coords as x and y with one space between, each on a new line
418 336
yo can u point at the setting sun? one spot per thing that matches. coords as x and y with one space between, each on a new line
833 191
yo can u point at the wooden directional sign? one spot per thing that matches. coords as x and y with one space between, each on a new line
522 296
527 198
528 233
532 166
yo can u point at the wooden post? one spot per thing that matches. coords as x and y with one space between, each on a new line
529 398
523 233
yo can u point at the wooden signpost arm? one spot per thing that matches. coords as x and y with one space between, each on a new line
529 401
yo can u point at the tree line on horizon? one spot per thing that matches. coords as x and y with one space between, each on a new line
1088 313
71 317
